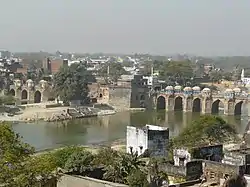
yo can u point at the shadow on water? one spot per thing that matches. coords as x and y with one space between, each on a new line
96 130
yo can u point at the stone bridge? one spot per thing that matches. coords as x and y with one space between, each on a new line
197 100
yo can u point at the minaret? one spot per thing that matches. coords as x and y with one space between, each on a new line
242 74
152 70
108 70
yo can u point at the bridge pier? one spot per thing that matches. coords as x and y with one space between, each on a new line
187 104
170 102
203 101
229 108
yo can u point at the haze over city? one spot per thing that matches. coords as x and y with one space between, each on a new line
207 28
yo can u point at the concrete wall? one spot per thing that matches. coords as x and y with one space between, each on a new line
119 97
78 181
214 171
136 137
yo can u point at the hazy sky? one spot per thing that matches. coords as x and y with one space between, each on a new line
202 27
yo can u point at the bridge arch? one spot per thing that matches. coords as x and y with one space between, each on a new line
12 92
178 103
161 103
216 105
24 94
37 97
238 108
196 105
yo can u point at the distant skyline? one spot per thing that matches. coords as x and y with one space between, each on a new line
199 27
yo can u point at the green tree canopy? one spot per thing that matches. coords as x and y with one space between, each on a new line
206 131
80 162
235 180
137 178
71 82
215 76
7 99
114 69
18 168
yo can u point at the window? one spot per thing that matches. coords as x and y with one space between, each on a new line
181 161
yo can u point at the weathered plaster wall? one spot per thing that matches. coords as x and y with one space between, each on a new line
120 97
77 181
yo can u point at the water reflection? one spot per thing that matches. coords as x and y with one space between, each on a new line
96 130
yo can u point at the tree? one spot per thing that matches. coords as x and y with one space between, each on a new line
105 157
80 162
71 83
7 99
122 167
137 178
215 76
156 177
228 76
62 155
18 168
177 71
206 131
111 71
235 181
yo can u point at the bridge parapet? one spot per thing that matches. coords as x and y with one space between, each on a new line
194 99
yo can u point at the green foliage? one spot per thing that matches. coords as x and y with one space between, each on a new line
38 169
71 82
122 166
105 157
115 71
235 180
156 176
205 131
7 99
80 162
215 76
137 178
18 168
62 155
177 69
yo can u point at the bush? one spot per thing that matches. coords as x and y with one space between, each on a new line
105 157
137 178
80 162
62 155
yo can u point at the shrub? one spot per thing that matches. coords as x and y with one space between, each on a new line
62 155
137 178
80 162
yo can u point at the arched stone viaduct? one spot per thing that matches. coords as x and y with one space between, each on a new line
204 101
29 93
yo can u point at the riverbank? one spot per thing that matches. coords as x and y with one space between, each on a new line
118 145
36 113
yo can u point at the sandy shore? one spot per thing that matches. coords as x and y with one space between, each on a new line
33 113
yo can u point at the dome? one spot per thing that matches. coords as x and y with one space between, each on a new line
30 83
169 88
17 83
177 87
187 89
237 90
206 90
228 90
196 88
43 81
29 80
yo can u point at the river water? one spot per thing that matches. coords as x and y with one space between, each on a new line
97 130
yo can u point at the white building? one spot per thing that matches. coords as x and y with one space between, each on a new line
152 138
245 80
